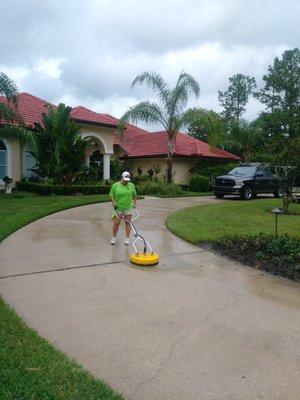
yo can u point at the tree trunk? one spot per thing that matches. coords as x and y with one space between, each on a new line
170 155
169 170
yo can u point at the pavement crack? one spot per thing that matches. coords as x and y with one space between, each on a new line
180 339
60 269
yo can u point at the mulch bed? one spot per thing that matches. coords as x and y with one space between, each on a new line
256 256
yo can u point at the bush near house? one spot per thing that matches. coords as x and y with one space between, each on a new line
158 188
199 183
212 169
47 189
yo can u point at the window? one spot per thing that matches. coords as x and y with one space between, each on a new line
28 162
3 160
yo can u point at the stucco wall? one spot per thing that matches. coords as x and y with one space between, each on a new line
181 167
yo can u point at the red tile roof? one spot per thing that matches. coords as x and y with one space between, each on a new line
84 115
30 108
155 145
135 143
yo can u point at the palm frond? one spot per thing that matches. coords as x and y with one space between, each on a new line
8 87
179 96
145 111
155 82
8 114
18 132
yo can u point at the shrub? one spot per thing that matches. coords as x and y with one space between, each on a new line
277 255
212 169
158 188
47 189
199 183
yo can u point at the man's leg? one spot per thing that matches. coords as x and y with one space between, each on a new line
127 228
115 229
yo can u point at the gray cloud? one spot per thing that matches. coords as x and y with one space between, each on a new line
89 52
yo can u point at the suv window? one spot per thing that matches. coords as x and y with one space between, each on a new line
267 172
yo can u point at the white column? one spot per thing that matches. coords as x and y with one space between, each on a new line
106 166
87 160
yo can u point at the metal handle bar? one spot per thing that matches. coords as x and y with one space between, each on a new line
136 234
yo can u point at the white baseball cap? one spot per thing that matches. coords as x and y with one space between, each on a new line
126 176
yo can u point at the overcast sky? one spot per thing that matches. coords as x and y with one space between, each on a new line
88 52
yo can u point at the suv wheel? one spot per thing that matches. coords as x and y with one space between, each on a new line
247 193
219 195
278 193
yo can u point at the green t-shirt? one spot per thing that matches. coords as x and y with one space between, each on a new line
123 195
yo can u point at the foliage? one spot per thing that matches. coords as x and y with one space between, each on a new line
199 183
281 93
211 169
158 188
92 174
117 167
13 126
48 189
236 97
243 139
208 126
277 255
168 111
281 120
59 150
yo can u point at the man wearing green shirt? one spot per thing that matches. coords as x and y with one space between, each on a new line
123 196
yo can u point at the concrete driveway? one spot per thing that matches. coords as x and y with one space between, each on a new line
196 327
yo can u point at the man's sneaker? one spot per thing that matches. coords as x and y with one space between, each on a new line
113 240
127 241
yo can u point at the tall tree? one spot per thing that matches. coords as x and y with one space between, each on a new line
281 94
169 110
281 119
11 124
235 98
208 126
59 147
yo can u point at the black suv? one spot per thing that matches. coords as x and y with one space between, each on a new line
247 181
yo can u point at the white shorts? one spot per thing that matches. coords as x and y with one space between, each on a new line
128 212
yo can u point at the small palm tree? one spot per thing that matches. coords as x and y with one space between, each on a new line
169 110
11 122
59 147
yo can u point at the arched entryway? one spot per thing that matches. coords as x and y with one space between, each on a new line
96 155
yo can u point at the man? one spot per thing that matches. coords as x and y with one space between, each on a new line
123 196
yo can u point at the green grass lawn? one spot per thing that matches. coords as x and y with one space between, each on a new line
232 218
20 208
30 367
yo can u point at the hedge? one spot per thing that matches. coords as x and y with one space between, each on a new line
199 183
46 189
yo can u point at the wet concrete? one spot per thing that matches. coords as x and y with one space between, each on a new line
197 326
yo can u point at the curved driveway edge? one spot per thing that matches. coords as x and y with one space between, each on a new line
197 326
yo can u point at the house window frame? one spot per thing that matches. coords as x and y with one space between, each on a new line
8 170
26 149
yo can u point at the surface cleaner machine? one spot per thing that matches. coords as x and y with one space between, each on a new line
147 257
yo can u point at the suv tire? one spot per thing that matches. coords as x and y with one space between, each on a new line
219 195
247 193
278 193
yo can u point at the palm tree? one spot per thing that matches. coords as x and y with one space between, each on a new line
11 124
167 111
59 147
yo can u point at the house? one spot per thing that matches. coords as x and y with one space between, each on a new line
142 148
